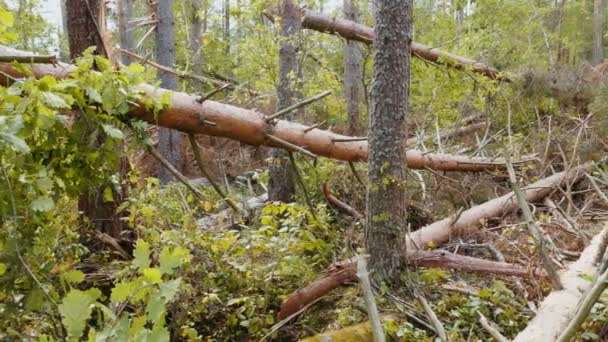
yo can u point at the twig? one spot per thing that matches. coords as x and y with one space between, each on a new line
301 183
430 314
176 173
597 188
289 145
199 161
338 204
177 72
308 129
47 59
207 96
490 329
533 230
342 140
592 296
297 105
351 165
370 301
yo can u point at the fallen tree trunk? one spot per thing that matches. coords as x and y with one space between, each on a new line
186 114
440 232
346 272
559 307
354 31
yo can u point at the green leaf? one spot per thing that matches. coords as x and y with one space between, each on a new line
43 203
169 289
172 258
113 132
14 142
75 310
152 275
2 268
108 195
53 100
122 291
141 254
159 334
73 276
155 308
93 94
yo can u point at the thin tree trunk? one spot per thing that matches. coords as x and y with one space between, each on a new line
281 186
352 73
168 139
125 13
598 33
85 25
385 231
227 26
195 43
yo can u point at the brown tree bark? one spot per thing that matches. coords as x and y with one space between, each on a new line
598 34
217 119
353 31
85 22
386 224
352 73
169 140
281 186
345 272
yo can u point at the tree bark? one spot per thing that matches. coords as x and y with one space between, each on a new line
227 25
344 272
186 114
195 43
125 13
169 140
85 23
281 186
386 224
352 73
353 31
598 34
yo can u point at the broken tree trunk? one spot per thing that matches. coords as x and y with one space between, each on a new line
345 272
559 307
354 31
249 126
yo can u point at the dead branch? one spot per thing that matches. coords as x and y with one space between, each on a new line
51 59
297 105
341 206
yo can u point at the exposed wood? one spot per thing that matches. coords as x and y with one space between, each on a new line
353 31
559 307
432 316
248 126
370 301
344 272
590 299
490 329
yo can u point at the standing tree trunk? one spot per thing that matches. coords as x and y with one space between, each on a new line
281 186
386 223
227 25
195 43
168 139
352 72
598 49
125 13
85 23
